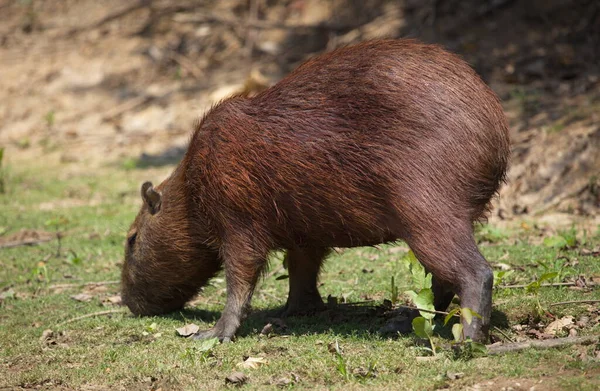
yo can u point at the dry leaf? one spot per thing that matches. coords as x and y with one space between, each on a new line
188 330
115 300
558 325
83 297
236 378
253 362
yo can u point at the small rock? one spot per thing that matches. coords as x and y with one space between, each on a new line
236 378
83 297
454 375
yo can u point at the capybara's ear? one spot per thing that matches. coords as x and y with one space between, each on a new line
151 197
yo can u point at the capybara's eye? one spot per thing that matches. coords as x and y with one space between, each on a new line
131 240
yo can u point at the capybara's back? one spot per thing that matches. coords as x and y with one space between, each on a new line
368 144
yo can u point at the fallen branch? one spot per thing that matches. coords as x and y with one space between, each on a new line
547 284
545 344
93 314
25 242
575 302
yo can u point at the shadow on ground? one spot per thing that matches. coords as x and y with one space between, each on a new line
344 320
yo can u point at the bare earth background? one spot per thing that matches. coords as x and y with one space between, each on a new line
92 82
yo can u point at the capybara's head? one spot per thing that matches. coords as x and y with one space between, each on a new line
167 259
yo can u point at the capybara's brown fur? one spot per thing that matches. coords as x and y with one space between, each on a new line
384 140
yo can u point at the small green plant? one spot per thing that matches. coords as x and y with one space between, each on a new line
423 300
464 347
500 276
203 351
111 356
565 239
56 223
73 258
130 163
557 266
394 292
41 273
534 287
50 118
570 236
341 365
420 279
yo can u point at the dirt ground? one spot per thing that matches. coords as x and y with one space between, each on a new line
89 83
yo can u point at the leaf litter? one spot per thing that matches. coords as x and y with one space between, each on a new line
188 330
253 362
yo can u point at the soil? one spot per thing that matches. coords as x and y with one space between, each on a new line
86 83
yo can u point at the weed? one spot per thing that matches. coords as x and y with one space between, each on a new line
564 239
394 292
130 163
534 287
50 118
490 234
500 276
341 365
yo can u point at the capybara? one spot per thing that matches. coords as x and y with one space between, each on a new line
367 144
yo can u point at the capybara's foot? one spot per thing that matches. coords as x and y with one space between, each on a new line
304 305
224 329
213 333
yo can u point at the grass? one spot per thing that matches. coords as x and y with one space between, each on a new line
118 351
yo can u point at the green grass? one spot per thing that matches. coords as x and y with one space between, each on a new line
92 212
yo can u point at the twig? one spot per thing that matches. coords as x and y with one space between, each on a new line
109 18
99 283
272 273
546 344
428 311
548 284
503 334
25 242
93 314
575 302
126 106
188 65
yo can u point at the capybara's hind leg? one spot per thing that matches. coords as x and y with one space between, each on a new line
453 258
303 268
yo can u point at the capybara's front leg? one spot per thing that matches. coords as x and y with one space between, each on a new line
475 292
454 260
242 270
